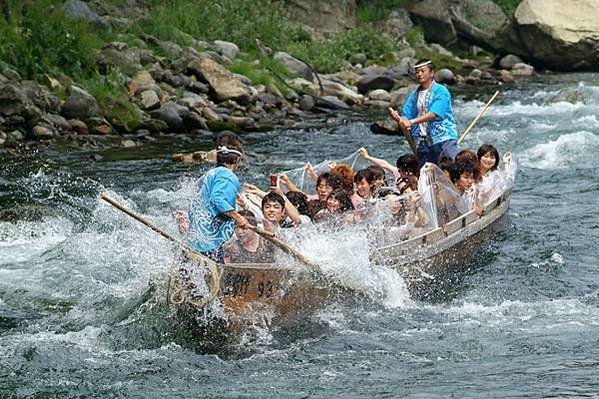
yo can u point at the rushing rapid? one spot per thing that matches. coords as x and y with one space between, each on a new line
82 287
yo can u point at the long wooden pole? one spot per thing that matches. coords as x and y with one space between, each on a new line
141 219
480 115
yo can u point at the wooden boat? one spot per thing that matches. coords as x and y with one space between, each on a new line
287 291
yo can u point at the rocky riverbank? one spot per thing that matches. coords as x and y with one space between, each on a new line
194 90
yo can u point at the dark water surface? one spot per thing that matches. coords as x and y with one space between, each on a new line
76 319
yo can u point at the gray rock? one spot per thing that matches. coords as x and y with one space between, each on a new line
398 24
444 75
42 132
475 73
228 49
78 126
379 95
172 114
332 102
486 75
224 85
509 61
294 65
129 143
126 60
522 70
306 103
80 104
149 100
434 18
399 97
15 135
270 99
359 58
60 123
193 121
11 74
13 101
373 82
77 9
437 48
323 18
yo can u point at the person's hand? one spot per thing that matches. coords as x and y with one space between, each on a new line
242 223
278 191
415 198
251 189
182 220
507 158
363 152
310 171
405 123
284 179
394 115
332 164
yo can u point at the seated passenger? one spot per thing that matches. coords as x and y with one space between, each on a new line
279 212
463 176
469 156
300 201
364 181
325 184
379 178
488 159
345 174
337 203
247 246
441 199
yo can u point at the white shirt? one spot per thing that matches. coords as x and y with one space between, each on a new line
422 95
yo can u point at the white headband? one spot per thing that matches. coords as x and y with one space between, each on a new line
224 150
422 64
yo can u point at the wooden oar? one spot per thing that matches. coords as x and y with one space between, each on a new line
149 224
480 115
285 248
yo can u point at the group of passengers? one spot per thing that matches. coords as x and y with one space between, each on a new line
343 197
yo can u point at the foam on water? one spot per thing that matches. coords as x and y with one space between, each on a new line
569 150
344 255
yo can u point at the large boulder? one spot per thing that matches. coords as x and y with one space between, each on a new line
77 9
79 105
434 17
558 36
228 49
294 65
398 24
223 84
325 17
373 82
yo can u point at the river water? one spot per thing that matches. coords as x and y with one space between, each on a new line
77 318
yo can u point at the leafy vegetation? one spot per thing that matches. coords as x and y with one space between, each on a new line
508 6
376 10
37 38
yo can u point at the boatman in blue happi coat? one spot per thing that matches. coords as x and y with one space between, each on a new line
428 115
212 214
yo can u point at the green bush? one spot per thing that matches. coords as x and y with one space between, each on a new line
508 6
329 56
114 103
372 11
38 38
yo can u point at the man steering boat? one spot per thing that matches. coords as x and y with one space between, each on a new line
428 115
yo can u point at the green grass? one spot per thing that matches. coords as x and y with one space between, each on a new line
38 38
373 11
508 6
114 103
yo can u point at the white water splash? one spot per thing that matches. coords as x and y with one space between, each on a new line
576 149
344 255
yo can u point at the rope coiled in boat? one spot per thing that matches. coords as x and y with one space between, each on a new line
177 292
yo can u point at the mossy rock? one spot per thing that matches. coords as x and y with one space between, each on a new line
219 126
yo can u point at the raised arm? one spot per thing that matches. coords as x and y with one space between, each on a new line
376 161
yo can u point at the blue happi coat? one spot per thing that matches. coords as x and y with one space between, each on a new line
215 194
438 102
